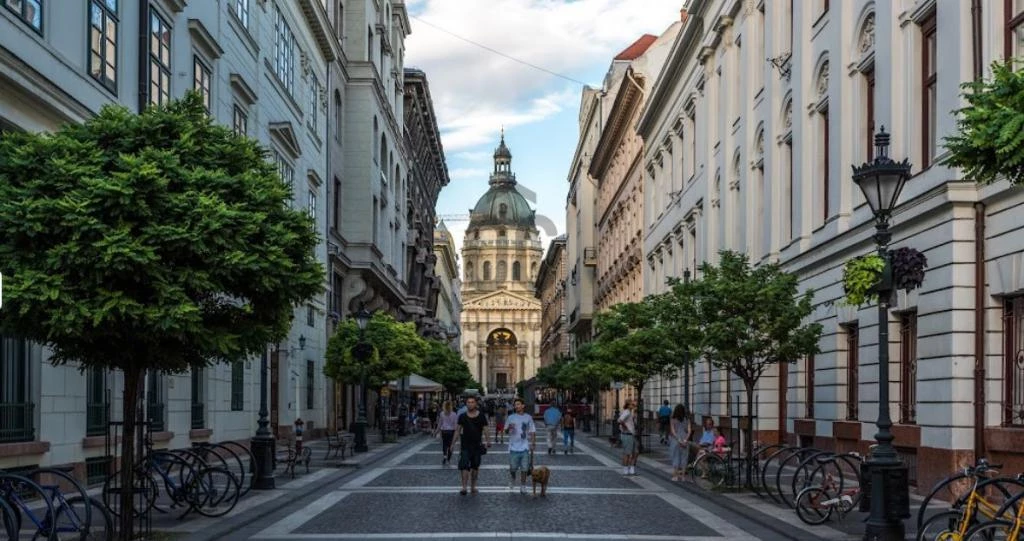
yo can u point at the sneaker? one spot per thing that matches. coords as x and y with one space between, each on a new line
625 470
632 470
675 478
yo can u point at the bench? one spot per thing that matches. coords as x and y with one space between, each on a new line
286 455
339 442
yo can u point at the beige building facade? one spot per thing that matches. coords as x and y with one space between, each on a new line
756 156
501 255
449 297
551 289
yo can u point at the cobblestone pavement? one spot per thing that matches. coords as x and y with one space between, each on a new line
407 494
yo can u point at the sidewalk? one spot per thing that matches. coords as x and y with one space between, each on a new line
258 503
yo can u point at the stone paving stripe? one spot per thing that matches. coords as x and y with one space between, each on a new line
552 467
365 478
454 488
788 516
496 535
407 453
707 518
601 457
297 519
306 478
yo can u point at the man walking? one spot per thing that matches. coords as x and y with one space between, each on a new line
664 414
472 432
522 439
552 421
627 428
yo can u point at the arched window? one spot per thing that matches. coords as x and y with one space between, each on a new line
337 116
502 210
515 271
502 271
383 150
376 149
469 271
339 20
533 270
369 43
487 270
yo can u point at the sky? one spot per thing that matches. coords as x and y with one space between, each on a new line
477 91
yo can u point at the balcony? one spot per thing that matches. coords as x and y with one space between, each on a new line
590 257
198 415
96 415
16 422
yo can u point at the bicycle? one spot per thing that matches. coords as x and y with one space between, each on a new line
709 470
953 488
1001 529
970 510
16 491
815 505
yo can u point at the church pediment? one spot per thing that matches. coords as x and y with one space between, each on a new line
502 300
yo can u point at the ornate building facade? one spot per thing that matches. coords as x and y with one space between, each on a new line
550 289
449 297
756 157
501 255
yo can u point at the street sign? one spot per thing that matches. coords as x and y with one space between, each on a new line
617 385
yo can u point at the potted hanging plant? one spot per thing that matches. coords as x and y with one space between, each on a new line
860 277
908 267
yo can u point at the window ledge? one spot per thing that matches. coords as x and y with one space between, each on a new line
906 435
166 435
1004 438
200 433
24 448
846 430
92 442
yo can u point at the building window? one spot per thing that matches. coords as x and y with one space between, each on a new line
908 367
852 370
928 89
824 122
30 11
237 386
336 205
201 77
339 20
869 113
337 116
284 169
314 99
1013 361
155 405
809 387
502 274
16 408
789 20
487 270
790 213
103 42
159 59
1014 39
310 385
516 272
310 316
469 271
284 52
198 406
376 219
240 121
95 401
242 12
311 205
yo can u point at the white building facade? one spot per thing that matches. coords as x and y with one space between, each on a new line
449 294
262 66
756 156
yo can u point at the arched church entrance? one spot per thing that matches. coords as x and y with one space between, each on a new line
502 353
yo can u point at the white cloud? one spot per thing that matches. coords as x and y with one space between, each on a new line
462 173
476 91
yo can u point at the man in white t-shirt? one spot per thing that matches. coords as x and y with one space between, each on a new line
522 437
627 431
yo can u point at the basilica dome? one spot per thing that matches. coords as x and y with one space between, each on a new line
502 204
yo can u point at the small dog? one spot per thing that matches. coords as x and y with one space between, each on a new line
541 475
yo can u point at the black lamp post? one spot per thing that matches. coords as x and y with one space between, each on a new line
882 180
262 443
686 362
362 351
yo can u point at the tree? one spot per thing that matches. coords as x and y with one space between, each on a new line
397 351
989 144
744 319
158 241
634 344
446 367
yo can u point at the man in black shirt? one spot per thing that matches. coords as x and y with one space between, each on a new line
472 433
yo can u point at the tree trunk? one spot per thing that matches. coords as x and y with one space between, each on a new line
749 430
129 411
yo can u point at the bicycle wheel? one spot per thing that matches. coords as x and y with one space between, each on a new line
807 466
10 519
710 472
945 526
76 524
248 459
811 507
995 530
797 457
216 492
16 490
951 489
145 493
234 464
773 461
100 526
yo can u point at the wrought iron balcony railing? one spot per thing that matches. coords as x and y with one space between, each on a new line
96 416
198 415
16 422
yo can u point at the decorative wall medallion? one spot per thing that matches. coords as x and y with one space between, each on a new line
822 83
867 34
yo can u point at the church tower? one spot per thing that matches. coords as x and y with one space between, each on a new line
500 255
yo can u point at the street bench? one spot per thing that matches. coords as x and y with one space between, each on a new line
286 455
339 442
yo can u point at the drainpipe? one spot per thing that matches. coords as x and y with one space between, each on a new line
143 56
979 267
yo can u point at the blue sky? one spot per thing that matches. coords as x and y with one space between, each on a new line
477 91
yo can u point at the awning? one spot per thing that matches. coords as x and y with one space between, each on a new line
417 384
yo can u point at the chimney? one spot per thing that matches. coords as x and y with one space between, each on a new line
683 15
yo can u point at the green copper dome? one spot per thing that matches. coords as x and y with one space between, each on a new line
502 204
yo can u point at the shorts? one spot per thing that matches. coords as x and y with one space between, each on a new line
499 426
628 444
518 461
469 459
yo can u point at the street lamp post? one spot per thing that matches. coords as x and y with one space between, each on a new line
262 443
362 352
686 362
882 180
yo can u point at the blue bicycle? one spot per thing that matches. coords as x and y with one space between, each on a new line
60 517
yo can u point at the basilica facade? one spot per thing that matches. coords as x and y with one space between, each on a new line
501 254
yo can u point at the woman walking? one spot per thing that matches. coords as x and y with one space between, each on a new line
680 432
447 422
568 432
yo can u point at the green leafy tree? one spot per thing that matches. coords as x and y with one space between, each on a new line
989 144
633 344
747 319
397 351
158 241
446 367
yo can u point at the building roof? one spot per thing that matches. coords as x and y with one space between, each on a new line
502 205
638 48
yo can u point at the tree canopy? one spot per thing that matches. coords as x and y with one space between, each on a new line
446 367
397 351
633 343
